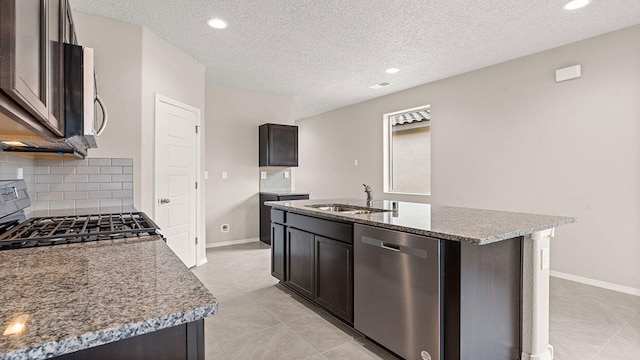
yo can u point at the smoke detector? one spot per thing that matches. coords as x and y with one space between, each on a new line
379 85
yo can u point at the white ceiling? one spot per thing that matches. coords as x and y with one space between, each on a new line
326 52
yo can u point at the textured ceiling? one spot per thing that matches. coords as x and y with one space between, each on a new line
326 52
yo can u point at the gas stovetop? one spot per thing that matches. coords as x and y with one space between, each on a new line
54 230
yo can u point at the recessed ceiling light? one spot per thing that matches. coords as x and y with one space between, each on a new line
392 70
217 23
576 4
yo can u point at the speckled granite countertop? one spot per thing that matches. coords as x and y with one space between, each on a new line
83 295
473 226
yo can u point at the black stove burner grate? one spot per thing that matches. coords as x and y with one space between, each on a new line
53 230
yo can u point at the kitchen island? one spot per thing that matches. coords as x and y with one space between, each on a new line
475 285
125 298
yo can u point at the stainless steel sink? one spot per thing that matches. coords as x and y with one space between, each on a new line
346 209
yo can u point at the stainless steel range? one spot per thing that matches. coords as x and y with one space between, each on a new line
18 231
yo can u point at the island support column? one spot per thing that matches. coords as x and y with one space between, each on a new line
535 297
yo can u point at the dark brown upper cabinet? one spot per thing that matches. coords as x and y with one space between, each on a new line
278 145
31 62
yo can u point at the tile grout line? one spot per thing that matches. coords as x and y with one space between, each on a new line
626 325
303 340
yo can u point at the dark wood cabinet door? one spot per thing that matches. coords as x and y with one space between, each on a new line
265 217
30 58
55 97
24 54
278 145
334 277
283 145
300 267
278 251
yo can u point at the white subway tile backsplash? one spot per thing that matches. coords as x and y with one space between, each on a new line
76 178
121 194
84 204
48 162
50 179
100 162
100 195
111 186
89 170
75 162
39 205
87 186
62 170
62 204
76 183
41 170
111 169
63 187
111 202
48 196
122 178
122 162
39 188
99 178
76 195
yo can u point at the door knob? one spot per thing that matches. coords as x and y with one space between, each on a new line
164 201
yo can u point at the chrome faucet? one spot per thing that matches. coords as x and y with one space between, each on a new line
369 192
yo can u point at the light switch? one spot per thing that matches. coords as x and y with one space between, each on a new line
355 162
206 175
286 174
263 175
224 175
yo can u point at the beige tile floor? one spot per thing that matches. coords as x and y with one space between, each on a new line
260 319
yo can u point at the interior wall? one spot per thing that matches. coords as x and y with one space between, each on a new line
509 137
169 72
232 120
132 65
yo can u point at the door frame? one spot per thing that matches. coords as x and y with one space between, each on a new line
201 254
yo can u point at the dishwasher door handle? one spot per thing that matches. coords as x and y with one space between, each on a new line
394 247
389 246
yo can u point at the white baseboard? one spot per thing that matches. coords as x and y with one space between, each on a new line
597 283
232 242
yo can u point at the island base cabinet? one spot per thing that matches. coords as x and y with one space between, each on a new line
300 271
482 289
334 277
318 261
184 341
278 235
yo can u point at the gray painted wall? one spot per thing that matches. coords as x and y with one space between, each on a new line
509 137
232 120
132 65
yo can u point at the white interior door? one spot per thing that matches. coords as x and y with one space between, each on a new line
176 177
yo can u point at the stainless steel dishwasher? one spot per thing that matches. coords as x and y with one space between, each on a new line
397 291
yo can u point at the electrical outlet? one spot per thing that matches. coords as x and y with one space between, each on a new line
224 228
286 174
20 174
224 175
263 175
355 162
